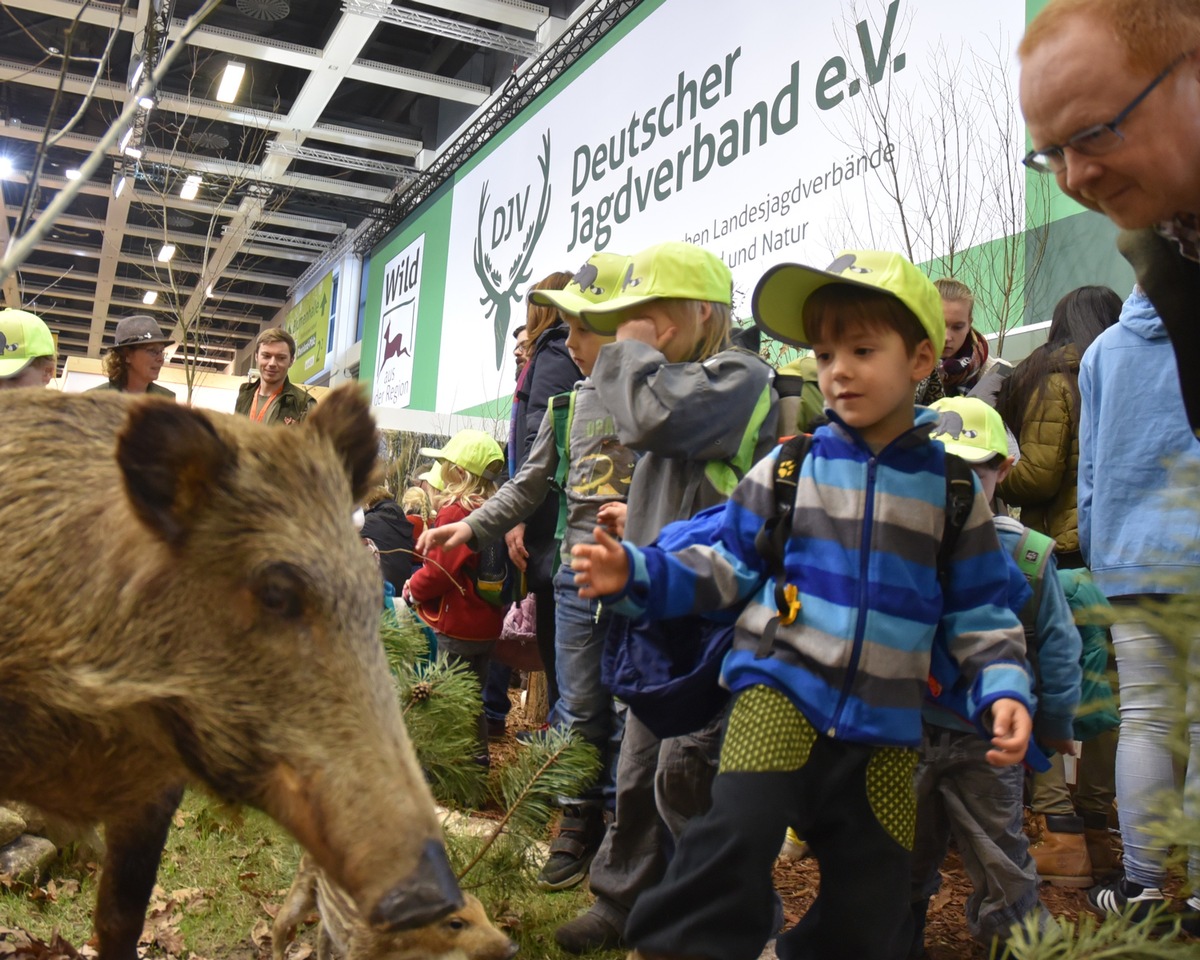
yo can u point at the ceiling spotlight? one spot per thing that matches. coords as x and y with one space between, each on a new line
165 253
208 292
149 297
146 103
6 168
231 80
119 188
73 174
128 135
133 153
191 186
137 75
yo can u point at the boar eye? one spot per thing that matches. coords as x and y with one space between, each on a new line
280 589
456 924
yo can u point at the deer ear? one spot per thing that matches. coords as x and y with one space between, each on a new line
172 460
344 418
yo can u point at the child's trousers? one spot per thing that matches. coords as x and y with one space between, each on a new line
853 803
960 793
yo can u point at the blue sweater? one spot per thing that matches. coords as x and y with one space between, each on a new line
863 553
1138 461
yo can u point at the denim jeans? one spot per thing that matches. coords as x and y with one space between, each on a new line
1157 700
959 793
584 705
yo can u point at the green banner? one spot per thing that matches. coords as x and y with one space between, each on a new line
308 322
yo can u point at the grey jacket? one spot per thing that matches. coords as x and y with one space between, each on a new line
600 472
680 416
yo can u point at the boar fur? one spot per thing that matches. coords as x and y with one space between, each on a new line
185 599
465 934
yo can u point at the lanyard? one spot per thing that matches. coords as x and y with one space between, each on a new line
255 413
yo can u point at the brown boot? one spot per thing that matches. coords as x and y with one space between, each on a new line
1104 846
1060 852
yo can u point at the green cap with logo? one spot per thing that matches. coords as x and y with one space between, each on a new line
779 298
968 428
474 451
596 281
673 270
24 337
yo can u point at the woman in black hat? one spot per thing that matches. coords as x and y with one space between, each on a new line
137 356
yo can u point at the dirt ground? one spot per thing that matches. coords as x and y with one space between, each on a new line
946 936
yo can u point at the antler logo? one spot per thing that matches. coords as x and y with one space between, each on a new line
500 287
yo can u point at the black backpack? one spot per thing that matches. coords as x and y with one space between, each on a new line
772 538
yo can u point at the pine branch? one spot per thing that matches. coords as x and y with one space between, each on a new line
554 764
1114 939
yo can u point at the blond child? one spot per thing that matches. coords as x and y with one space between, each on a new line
443 591
683 398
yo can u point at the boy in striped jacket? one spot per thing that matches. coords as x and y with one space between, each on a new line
825 719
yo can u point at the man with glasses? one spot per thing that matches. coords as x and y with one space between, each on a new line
1110 90
136 358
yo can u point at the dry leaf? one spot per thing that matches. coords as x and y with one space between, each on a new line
299 951
261 934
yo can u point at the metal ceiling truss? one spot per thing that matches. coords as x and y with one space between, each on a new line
299 151
442 26
521 90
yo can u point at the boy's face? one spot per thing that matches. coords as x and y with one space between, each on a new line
868 379
991 477
583 345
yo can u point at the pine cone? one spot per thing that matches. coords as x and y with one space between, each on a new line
421 691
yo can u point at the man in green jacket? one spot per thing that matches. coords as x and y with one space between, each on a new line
272 398
1110 90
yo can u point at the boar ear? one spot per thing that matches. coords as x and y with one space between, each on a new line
344 418
172 460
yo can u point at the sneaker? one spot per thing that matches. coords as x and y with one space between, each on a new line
571 852
587 932
526 737
1189 917
1125 896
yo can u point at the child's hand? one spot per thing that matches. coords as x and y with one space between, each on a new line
1065 747
612 516
601 568
646 331
515 541
1011 727
447 537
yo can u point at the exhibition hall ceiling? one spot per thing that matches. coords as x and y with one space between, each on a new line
340 105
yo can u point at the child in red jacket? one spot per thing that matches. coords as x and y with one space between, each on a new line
443 591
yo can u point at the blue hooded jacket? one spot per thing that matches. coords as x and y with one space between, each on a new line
1138 461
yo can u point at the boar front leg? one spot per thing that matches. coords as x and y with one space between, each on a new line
134 847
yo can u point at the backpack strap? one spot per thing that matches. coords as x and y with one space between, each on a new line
562 410
960 497
725 474
771 541
1032 552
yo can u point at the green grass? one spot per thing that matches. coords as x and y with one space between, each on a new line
227 867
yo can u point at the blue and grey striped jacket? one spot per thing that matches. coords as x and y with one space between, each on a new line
863 553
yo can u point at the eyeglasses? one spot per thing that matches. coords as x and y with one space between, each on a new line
154 351
1097 140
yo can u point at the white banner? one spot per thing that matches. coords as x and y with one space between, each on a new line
397 327
763 131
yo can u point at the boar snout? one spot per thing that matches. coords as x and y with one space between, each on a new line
428 894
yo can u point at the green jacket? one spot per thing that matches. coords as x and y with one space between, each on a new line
294 403
152 389
1043 483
